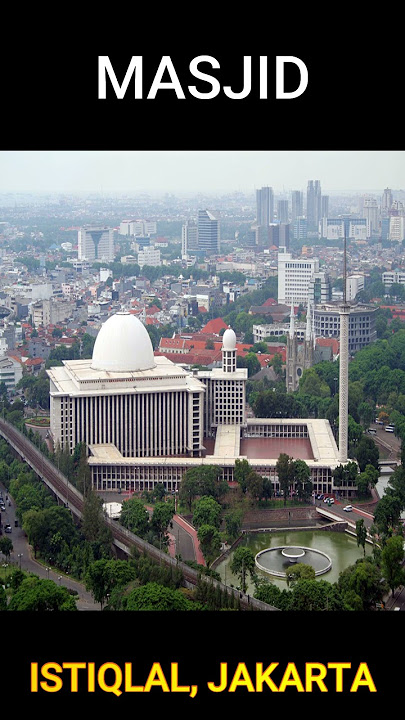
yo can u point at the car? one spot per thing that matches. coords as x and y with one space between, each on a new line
389 428
348 508
8 529
372 431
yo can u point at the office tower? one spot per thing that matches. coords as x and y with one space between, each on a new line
189 238
284 235
386 202
300 228
264 206
324 206
294 277
313 204
370 212
297 204
96 243
320 288
208 233
282 211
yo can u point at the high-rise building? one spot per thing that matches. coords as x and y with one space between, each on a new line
386 202
370 212
324 206
96 243
313 204
189 239
149 256
294 276
320 288
208 233
282 211
264 206
297 204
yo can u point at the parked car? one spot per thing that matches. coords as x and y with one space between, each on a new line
389 428
348 508
8 529
372 431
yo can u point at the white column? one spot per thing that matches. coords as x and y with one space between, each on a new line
343 381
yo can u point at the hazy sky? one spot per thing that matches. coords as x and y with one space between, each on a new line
199 171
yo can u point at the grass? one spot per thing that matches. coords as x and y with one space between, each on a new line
38 421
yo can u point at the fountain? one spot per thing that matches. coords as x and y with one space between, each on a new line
275 560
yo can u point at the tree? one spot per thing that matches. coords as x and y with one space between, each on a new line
243 562
161 517
302 479
361 585
154 596
277 363
361 534
284 470
35 594
6 546
299 571
207 512
241 473
135 516
93 523
103 575
391 558
233 523
210 542
387 514
367 453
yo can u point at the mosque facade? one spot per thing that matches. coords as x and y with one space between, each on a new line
146 420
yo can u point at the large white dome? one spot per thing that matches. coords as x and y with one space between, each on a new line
123 345
229 340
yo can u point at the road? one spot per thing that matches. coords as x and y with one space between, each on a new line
22 556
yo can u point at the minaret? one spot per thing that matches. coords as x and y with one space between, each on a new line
344 313
229 351
290 377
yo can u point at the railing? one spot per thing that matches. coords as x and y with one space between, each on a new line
122 537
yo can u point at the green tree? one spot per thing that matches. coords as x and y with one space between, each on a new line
154 596
243 562
285 470
361 585
135 516
233 523
207 512
302 479
299 571
34 594
210 542
361 534
103 575
6 546
391 559
241 473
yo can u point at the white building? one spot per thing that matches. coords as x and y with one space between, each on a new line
393 276
139 228
146 420
334 228
294 277
354 283
10 372
149 256
397 228
96 243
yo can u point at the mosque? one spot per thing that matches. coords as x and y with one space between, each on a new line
147 420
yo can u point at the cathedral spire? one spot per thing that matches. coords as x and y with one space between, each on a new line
292 325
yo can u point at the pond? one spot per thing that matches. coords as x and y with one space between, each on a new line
340 547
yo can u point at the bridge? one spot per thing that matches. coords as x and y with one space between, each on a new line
123 539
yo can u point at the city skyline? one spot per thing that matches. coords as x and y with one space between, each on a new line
194 171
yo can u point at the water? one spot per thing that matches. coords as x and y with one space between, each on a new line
340 547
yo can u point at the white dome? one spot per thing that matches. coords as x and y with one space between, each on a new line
123 345
229 340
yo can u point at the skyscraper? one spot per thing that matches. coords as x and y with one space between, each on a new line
264 206
282 211
189 238
96 243
208 233
313 203
297 204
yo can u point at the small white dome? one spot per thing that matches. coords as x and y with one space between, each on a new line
229 340
123 345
